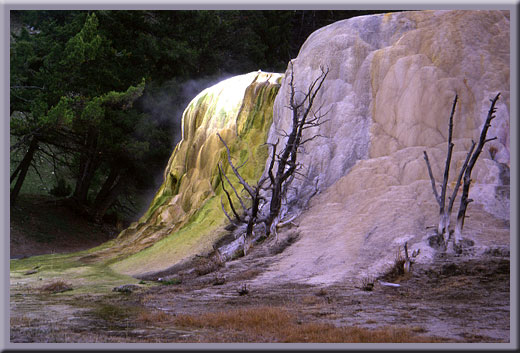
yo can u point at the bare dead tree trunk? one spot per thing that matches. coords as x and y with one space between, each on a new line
464 201
444 216
235 213
464 174
444 213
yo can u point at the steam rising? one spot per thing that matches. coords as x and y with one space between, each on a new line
165 103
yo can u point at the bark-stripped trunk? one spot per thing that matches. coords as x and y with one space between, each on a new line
444 212
464 174
464 201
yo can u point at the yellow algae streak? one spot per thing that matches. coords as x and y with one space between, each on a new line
185 217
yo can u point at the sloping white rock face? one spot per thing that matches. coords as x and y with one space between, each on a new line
388 94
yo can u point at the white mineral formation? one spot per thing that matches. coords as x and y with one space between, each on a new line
388 95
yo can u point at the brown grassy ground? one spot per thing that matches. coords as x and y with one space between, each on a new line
460 301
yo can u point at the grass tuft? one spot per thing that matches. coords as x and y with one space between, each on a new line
367 283
58 286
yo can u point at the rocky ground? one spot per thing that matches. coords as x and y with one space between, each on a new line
455 299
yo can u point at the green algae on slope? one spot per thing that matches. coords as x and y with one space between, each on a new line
185 217
35 272
196 237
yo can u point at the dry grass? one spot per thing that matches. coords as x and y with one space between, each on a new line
56 287
147 298
20 321
322 292
153 317
396 272
311 299
276 324
205 266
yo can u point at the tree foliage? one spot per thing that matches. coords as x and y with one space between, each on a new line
86 86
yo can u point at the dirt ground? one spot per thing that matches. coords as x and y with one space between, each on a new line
459 298
455 299
42 225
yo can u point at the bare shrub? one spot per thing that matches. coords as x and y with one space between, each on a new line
367 283
397 270
243 289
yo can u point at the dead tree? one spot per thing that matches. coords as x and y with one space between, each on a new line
304 116
250 214
464 201
444 212
275 181
465 171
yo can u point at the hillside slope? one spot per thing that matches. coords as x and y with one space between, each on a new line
389 93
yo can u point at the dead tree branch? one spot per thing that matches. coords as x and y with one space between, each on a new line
235 171
250 214
464 201
238 218
432 179
459 180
